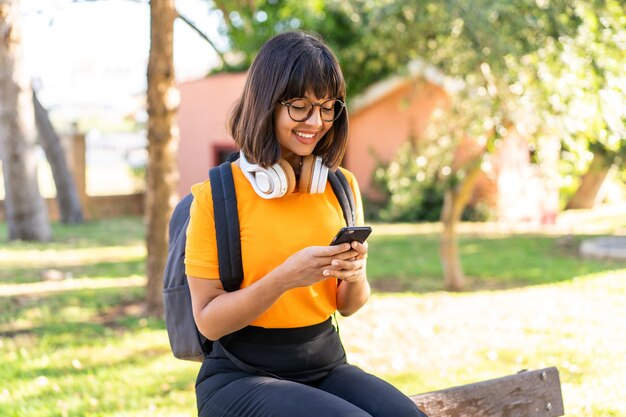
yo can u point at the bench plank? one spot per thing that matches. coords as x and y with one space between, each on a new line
526 394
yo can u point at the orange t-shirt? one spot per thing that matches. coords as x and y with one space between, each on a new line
271 231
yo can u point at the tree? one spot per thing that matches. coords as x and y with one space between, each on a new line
27 214
499 55
67 195
161 170
591 181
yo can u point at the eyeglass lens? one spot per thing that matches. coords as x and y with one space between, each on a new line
301 109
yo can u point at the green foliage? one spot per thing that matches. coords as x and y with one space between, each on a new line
413 183
420 173
547 68
249 24
578 86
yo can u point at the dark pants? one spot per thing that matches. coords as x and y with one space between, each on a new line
223 389
346 391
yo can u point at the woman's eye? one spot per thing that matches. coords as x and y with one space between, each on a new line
299 104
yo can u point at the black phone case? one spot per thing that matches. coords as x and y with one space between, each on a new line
350 234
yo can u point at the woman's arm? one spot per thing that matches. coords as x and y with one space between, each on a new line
218 313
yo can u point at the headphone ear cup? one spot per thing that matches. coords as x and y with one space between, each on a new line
289 174
272 182
306 174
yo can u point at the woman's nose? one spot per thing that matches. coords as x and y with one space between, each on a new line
316 118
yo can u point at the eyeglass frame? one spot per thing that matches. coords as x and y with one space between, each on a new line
289 103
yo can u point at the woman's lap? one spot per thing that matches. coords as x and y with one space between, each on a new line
347 391
368 392
261 396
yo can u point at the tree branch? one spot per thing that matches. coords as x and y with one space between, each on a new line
202 35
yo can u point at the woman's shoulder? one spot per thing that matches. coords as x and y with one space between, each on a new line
202 191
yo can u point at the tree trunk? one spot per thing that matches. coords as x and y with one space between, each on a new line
67 196
161 172
454 202
26 212
591 182
453 275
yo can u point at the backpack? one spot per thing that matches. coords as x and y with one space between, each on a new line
185 339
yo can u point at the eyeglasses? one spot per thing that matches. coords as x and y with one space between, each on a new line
300 109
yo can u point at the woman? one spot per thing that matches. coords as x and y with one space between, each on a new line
278 353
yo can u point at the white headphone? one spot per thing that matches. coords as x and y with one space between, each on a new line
280 179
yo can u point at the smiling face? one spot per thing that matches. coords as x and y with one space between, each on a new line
298 139
291 65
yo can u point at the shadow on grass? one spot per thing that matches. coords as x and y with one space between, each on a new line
84 315
411 263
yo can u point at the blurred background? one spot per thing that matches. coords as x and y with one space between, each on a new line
488 138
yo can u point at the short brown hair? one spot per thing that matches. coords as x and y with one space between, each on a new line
289 65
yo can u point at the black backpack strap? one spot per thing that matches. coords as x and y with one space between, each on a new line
234 237
233 156
344 195
226 226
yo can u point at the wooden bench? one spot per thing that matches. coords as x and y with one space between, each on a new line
525 394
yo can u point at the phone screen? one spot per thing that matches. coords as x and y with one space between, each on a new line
350 234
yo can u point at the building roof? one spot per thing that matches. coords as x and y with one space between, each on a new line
417 68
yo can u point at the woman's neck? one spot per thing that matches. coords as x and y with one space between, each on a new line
295 161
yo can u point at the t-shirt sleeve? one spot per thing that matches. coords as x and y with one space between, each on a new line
201 249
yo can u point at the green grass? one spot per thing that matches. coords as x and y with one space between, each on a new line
530 302
110 269
412 263
122 231
96 249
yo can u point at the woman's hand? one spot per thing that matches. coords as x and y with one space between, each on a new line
309 265
349 266
354 290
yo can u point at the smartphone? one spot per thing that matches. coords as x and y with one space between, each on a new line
350 234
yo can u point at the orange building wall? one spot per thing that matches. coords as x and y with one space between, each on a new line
204 108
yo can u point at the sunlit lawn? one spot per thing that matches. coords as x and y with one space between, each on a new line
531 302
